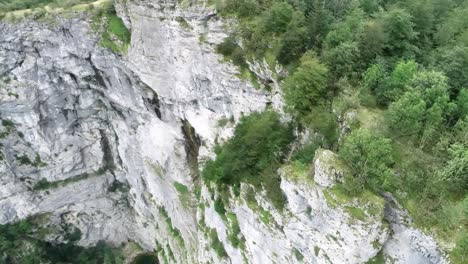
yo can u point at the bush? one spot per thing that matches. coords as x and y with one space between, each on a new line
343 60
422 112
19 244
396 84
219 206
294 41
114 28
307 87
253 154
216 244
227 47
322 121
278 17
455 172
370 158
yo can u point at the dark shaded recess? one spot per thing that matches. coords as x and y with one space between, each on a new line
98 77
154 103
107 158
146 258
192 146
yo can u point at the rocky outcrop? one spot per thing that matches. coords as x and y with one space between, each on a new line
112 145
408 244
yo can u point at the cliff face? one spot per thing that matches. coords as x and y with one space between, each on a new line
113 145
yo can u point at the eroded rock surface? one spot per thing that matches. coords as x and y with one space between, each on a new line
102 141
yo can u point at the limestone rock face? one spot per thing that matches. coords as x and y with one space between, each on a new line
328 168
112 144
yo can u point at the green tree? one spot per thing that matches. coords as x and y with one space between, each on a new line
370 158
307 87
253 155
399 27
374 77
370 6
243 8
423 111
372 40
347 30
454 62
455 171
453 26
277 18
319 19
322 121
343 60
396 84
462 104
294 41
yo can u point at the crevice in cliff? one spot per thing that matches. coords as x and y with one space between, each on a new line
99 78
154 104
107 158
192 146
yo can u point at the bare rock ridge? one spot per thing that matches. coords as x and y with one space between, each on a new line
112 145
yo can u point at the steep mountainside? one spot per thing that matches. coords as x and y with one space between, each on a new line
113 144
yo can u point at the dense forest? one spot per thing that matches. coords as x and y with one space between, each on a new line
396 72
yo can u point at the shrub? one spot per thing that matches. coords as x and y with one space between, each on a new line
253 154
307 87
278 17
216 244
370 158
227 47
455 172
219 206
423 111
395 85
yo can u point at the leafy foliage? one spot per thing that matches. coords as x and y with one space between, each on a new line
405 59
115 35
370 158
11 5
307 87
19 243
254 153
423 111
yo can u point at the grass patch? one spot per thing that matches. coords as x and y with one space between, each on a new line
184 194
264 215
172 230
235 232
298 254
114 34
13 5
298 171
47 10
183 23
316 250
182 189
367 201
216 244
223 121
157 169
43 184
356 213
378 259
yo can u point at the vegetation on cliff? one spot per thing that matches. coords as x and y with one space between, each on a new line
253 155
392 76
22 243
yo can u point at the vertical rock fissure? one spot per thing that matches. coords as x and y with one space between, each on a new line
192 146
